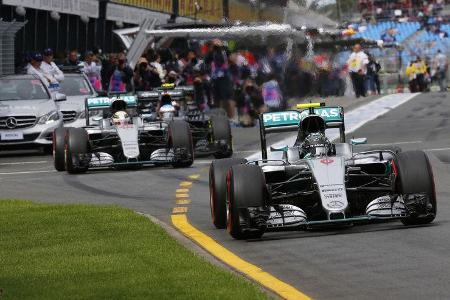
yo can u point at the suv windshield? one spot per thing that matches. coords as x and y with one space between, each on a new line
22 89
75 86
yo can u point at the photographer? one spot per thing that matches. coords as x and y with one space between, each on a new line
146 77
250 103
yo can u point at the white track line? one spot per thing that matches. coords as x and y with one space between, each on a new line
437 149
24 163
396 143
27 172
202 162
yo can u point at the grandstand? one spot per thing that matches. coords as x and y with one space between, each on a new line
375 31
394 9
415 28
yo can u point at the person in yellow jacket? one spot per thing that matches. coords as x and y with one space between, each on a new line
411 73
421 71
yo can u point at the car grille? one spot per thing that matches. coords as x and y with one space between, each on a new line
14 122
69 116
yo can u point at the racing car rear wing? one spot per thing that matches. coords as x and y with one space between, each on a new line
175 94
103 103
285 121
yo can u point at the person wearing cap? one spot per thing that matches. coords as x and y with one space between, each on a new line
34 68
49 67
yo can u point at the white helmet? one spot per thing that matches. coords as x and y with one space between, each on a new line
167 112
120 117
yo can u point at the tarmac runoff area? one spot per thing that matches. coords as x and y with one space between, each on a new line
337 264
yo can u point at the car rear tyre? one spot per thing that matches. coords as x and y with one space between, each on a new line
76 146
415 176
180 139
59 135
247 212
221 131
218 189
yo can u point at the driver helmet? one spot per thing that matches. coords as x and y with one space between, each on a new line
316 144
120 117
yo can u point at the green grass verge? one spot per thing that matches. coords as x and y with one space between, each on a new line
102 252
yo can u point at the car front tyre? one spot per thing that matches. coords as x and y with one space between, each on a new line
415 177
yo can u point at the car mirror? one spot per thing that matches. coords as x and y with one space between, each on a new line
97 118
278 149
60 97
360 141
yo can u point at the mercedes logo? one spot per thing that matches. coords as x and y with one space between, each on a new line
11 123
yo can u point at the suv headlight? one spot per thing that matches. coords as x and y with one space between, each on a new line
49 117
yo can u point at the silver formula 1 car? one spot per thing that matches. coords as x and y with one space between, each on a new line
317 182
211 132
121 139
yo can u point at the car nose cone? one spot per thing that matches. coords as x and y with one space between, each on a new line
11 123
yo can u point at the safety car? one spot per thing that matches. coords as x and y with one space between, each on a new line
29 112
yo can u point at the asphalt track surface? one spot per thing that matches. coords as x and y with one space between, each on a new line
388 261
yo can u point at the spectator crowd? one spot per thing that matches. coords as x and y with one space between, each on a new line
245 83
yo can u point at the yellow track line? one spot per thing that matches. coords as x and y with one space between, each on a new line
179 210
181 195
185 184
183 201
194 176
267 280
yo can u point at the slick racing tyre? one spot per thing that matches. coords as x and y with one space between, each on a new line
76 146
218 189
415 176
59 135
221 131
180 139
247 212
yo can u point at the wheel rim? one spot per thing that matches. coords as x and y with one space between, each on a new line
54 146
228 203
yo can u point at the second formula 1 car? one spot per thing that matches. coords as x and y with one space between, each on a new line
211 131
120 138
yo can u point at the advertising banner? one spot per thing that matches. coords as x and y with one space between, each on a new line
157 5
133 15
87 8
